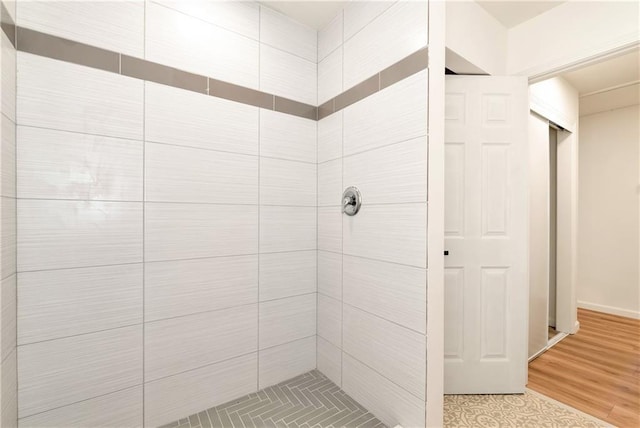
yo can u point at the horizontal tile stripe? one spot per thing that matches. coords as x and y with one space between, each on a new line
147 70
66 50
59 48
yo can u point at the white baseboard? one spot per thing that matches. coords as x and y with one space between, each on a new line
609 310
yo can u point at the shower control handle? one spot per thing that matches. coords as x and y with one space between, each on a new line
351 201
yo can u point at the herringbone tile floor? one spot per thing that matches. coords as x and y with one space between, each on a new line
310 400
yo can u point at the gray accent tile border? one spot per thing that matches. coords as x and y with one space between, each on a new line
54 47
402 69
41 44
147 70
308 400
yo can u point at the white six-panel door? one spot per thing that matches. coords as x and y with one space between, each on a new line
486 234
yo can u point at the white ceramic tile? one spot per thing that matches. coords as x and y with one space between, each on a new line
185 118
394 351
185 174
8 77
60 95
117 26
287 75
329 360
11 8
185 343
287 361
330 76
397 33
391 291
390 403
287 229
330 229
7 157
330 137
184 287
8 233
391 174
284 182
282 32
184 231
67 165
286 320
69 302
66 234
8 391
240 17
7 316
330 319
330 183
330 37
287 274
397 113
358 14
188 43
393 233
64 371
169 399
330 274
119 409
287 137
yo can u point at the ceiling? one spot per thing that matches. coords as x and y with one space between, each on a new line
611 73
313 13
513 12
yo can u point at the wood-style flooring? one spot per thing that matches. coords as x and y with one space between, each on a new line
596 370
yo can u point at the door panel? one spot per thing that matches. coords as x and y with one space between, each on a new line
486 234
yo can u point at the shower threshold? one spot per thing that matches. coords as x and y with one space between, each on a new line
309 400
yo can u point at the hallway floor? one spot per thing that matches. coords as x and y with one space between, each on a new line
309 400
596 370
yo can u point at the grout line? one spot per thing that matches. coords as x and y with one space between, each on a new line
82 401
259 200
144 220
87 333
384 376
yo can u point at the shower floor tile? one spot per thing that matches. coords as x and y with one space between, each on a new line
307 401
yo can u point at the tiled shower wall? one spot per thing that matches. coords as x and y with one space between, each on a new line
8 354
166 238
372 267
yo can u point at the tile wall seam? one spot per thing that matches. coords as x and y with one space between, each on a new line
144 219
341 214
317 189
382 375
384 261
373 314
286 343
259 199
86 333
238 33
82 401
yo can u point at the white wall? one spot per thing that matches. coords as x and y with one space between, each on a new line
372 266
570 33
473 34
609 216
161 248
